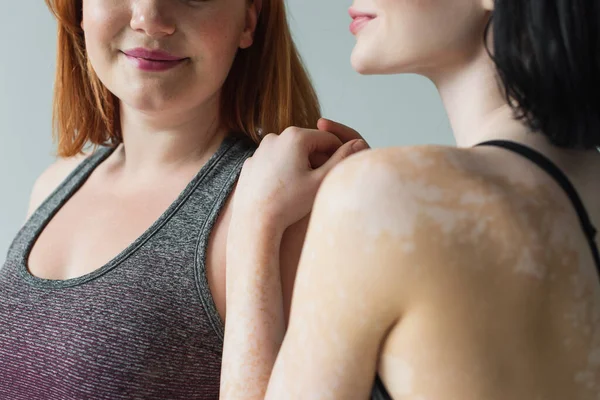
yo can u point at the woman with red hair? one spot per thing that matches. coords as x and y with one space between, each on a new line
115 286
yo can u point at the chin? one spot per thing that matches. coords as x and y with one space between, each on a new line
372 64
368 66
362 64
147 102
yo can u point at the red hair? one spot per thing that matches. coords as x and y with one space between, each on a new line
268 88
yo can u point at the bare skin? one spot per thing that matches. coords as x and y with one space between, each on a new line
453 273
464 284
77 242
169 123
258 312
170 129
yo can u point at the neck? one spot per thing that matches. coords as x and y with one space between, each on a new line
159 142
475 103
478 112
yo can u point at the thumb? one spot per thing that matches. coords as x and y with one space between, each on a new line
345 151
343 132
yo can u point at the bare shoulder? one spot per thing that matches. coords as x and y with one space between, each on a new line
448 241
427 179
379 212
421 204
396 182
380 167
51 178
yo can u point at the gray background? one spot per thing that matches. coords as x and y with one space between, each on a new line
387 110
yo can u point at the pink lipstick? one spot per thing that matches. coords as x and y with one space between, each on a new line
152 60
359 20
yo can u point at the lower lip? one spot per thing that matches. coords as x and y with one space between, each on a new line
153 65
359 23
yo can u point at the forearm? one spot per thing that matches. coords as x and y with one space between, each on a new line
255 318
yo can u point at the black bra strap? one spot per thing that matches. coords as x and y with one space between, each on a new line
564 182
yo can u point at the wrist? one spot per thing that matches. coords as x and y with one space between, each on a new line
252 266
253 242
254 226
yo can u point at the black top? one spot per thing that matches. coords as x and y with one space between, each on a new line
564 182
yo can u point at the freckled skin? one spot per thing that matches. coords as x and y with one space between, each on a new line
452 279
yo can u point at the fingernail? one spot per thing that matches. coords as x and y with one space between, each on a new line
360 145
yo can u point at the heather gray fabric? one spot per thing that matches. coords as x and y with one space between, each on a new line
144 326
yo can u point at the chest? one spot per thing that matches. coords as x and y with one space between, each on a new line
113 337
94 226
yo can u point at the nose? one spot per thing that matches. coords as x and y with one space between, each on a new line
150 18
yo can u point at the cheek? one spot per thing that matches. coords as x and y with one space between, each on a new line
103 18
217 38
400 31
414 24
412 35
409 7
102 21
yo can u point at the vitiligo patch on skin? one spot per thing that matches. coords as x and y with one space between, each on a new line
528 266
379 219
430 189
474 198
517 236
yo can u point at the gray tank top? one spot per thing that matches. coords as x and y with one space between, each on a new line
143 326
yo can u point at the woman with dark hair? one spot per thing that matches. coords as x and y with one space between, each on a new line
432 272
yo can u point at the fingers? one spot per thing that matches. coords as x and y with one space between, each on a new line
324 149
318 159
312 141
343 132
348 149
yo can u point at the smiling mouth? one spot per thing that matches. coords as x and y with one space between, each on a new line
153 60
152 55
154 65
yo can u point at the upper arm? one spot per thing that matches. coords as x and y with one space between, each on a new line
343 303
291 248
50 179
